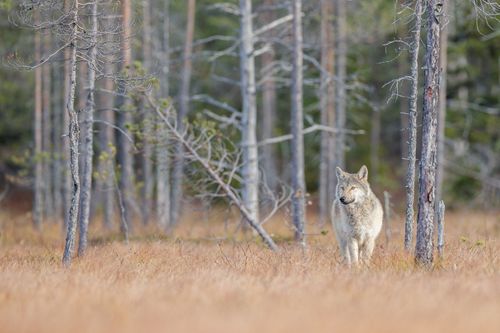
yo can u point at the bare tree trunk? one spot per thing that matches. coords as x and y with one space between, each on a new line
38 185
74 136
327 102
162 158
124 154
177 173
403 111
147 164
442 110
57 131
340 107
268 114
66 181
298 183
46 133
250 170
412 127
87 148
427 167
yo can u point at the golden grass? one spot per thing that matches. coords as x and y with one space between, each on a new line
193 283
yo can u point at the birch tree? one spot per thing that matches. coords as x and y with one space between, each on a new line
427 167
88 135
47 156
74 137
412 125
298 183
177 173
250 170
326 179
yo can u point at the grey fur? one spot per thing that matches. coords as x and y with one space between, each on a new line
360 219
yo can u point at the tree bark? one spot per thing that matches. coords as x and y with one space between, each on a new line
178 171
147 164
427 167
268 114
57 131
88 137
412 127
162 158
250 171
124 146
327 103
74 136
298 183
340 107
38 184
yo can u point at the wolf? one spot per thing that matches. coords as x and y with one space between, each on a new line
360 218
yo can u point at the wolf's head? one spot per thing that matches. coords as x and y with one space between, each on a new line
352 187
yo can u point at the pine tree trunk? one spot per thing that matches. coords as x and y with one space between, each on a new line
298 183
340 107
250 171
178 171
46 132
88 135
427 167
38 184
268 113
375 142
327 178
412 126
162 158
124 146
147 164
74 136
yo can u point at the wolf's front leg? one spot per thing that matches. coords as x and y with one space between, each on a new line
366 251
352 252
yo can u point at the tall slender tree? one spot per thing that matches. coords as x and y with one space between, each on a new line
427 167
162 157
298 182
88 135
47 131
74 138
341 66
412 125
37 134
250 171
177 173
327 177
124 146
268 112
147 163
442 109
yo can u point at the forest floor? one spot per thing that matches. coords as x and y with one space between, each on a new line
196 282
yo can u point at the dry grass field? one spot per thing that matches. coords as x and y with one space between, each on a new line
194 282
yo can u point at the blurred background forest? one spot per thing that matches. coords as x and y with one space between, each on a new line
472 145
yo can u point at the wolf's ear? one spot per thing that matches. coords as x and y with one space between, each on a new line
363 173
340 173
